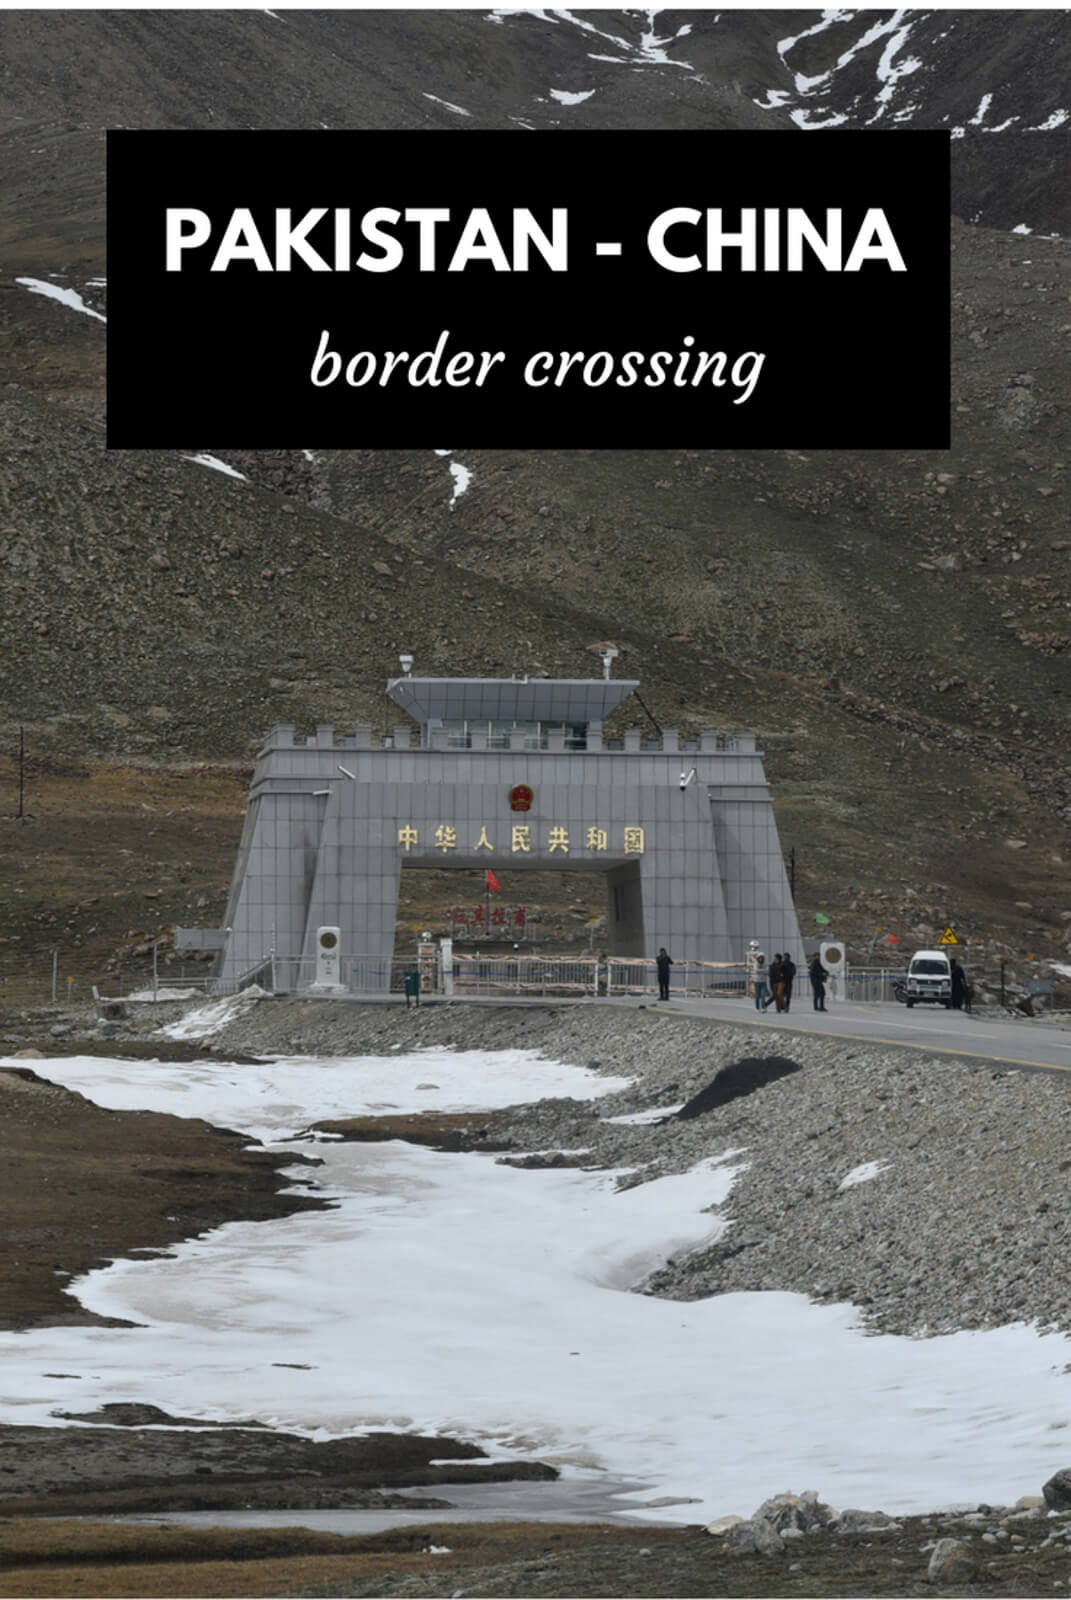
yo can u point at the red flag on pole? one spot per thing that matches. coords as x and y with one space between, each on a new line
493 884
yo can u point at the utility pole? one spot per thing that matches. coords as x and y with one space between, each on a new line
22 815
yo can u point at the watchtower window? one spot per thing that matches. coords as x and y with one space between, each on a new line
499 734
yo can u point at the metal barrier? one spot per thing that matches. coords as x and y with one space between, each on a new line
274 973
520 976
469 975
386 974
871 985
636 976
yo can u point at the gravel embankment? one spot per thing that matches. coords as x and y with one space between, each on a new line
967 1223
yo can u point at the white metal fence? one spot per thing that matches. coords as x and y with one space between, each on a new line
520 976
464 976
40 980
869 985
696 978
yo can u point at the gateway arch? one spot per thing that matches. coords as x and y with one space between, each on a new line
507 773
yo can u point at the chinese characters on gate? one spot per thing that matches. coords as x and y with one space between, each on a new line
523 840
500 918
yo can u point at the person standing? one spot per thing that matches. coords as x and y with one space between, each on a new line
759 983
663 961
788 969
959 985
818 976
777 982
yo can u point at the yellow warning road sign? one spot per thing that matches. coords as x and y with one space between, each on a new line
948 937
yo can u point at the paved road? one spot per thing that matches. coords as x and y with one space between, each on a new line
1032 1045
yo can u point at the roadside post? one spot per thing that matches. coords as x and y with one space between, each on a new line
832 958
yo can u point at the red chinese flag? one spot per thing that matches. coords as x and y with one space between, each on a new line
493 884
892 938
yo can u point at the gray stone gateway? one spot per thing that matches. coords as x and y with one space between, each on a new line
510 774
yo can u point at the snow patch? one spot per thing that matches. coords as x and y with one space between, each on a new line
209 1019
565 98
890 69
863 1174
774 99
278 1100
449 105
66 297
482 1302
217 465
804 118
461 475
162 993
638 1119
650 51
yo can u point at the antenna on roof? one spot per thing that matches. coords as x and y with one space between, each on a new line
407 663
608 652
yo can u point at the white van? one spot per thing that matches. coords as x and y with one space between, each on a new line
929 979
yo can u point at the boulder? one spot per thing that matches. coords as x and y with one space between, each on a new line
722 1525
800 1513
952 1561
756 1537
1057 1491
851 1520
767 1539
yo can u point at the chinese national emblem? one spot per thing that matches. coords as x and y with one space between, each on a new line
520 797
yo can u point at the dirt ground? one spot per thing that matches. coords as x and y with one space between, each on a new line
79 1186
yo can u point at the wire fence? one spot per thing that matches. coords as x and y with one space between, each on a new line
55 980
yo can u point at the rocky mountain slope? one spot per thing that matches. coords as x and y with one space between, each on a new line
896 626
